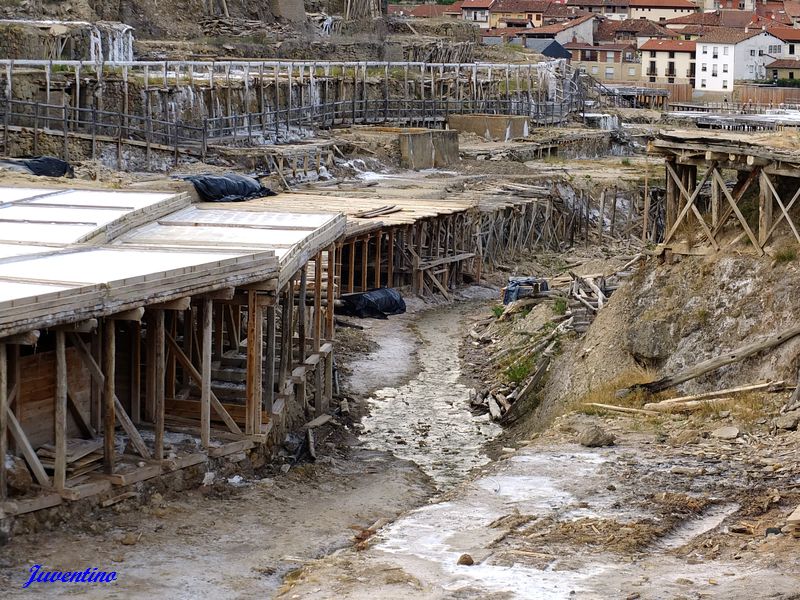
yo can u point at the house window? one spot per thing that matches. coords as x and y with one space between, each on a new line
725 68
791 48
631 71
705 49
715 52
704 67
775 74
752 52
702 83
713 70
652 53
594 70
687 37
724 84
791 74
724 51
609 71
609 57
750 68
672 55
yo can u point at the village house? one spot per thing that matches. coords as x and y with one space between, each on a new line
518 13
611 9
733 19
575 30
791 42
477 12
611 62
631 30
661 10
742 5
668 61
724 56
784 68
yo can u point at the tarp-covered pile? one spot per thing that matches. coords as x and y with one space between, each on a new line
228 188
376 304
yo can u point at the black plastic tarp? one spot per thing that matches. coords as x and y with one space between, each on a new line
44 166
375 304
228 188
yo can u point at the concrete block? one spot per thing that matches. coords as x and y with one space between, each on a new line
495 128
426 148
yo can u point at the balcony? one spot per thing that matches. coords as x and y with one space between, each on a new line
671 73
652 72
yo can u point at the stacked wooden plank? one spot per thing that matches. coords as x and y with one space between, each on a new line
793 523
83 456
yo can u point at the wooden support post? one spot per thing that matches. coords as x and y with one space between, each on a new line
331 270
601 218
205 386
364 263
109 406
286 336
159 368
60 469
765 204
714 202
255 342
96 391
317 332
351 276
378 244
269 359
219 341
390 259
136 371
302 311
3 417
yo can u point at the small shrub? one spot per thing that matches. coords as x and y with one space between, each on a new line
560 306
786 255
519 371
626 162
498 310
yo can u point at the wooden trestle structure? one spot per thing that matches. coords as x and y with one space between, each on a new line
149 334
200 333
747 189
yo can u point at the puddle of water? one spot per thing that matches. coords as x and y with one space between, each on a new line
427 420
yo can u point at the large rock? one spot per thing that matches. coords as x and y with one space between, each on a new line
726 433
594 437
17 475
289 10
789 421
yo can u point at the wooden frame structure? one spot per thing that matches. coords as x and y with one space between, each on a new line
207 330
711 214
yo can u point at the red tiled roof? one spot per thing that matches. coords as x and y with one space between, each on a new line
784 63
669 46
774 11
609 28
662 4
477 3
736 19
723 35
427 11
792 8
600 3
787 34
521 6
563 26
401 9
603 48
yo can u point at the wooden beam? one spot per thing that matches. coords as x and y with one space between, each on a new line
135 314
136 372
86 429
215 403
4 409
160 373
739 215
784 213
364 263
221 294
121 415
302 312
21 440
60 418
109 396
180 304
205 385
765 221
255 344
270 285
378 244
331 327
317 326
690 200
390 259
29 338
86 326
269 360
